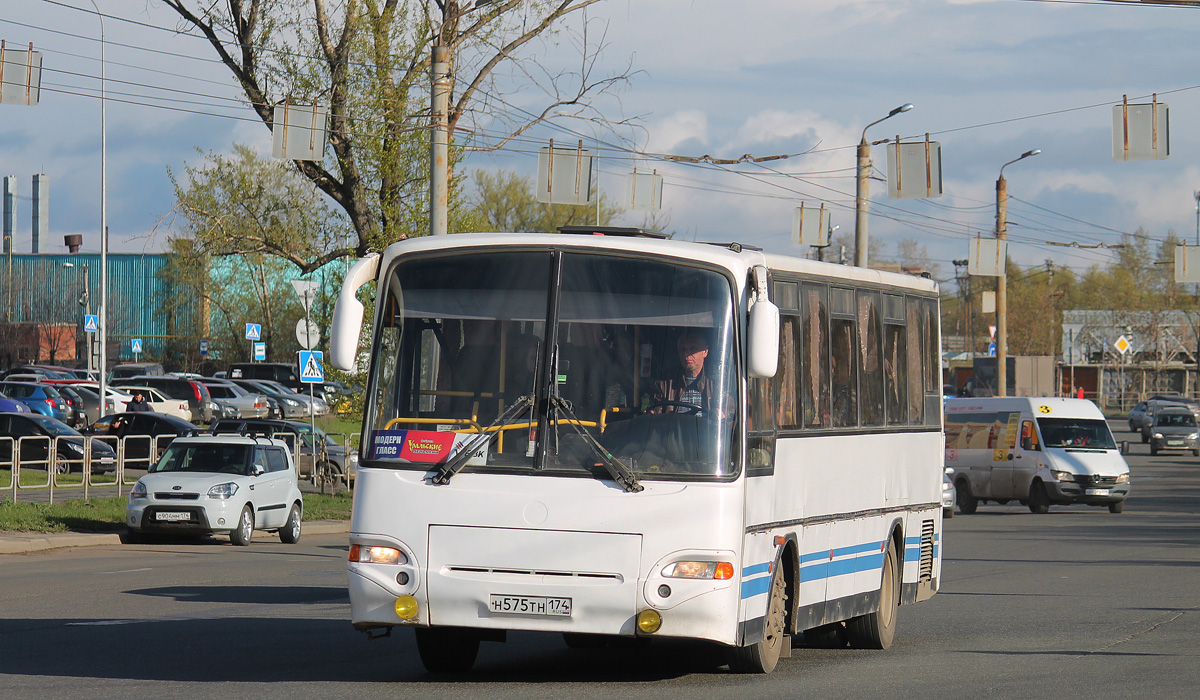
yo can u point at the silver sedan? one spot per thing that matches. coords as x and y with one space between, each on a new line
247 404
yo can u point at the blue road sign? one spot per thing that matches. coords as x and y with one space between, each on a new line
311 369
260 351
136 344
253 331
992 350
91 323
203 347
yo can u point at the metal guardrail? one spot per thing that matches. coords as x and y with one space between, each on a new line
36 464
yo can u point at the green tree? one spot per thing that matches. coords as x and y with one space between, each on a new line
505 201
369 60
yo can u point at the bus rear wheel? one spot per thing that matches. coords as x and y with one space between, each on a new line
764 655
877 630
447 649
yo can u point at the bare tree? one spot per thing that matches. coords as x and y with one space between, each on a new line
369 60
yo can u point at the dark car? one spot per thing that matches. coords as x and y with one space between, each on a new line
40 398
47 371
285 373
140 429
340 464
75 402
195 393
40 432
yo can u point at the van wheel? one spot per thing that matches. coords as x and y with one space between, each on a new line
1117 507
762 656
1153 450
1039 502
290 534
966 500
877 630
446 649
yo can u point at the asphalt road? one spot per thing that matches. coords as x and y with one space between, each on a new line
1079 603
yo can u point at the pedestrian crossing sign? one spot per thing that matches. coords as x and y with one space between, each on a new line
311 369
253 331
136 344
91 323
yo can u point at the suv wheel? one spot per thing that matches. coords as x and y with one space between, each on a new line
244 532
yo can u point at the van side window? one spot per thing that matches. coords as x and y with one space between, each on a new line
276 461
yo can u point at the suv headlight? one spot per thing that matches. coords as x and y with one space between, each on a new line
1064 476
223 491
138 491
1122 478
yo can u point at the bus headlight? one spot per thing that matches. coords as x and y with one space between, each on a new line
720 570
376 555
1122 478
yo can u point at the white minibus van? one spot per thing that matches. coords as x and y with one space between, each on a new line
1036 450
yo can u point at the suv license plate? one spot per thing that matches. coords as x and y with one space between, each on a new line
173 517
529 605
1095 492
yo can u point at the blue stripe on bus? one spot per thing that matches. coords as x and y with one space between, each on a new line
756 569
841 567
755 586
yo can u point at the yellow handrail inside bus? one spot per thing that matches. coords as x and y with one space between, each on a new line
436 421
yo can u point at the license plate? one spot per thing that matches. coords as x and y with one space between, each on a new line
173 517
529 605
1095 492
1174 442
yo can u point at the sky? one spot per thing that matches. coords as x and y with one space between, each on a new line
989 80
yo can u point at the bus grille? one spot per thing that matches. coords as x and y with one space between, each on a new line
926 550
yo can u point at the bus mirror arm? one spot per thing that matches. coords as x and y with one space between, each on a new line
348 314
459 460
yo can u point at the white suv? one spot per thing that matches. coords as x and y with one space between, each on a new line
218 484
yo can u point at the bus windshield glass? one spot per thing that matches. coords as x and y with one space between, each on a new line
549 361
1076 432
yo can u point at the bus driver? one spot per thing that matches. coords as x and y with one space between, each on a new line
690 384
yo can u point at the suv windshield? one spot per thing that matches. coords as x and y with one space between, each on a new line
1076 432
208 457
549 353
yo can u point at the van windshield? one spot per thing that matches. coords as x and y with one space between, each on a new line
1076 432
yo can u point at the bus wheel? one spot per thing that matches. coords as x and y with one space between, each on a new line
446 649
1117 507
876 630
1039 502
966 500
762 656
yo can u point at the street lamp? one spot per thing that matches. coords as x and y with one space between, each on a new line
1002 280
85 300
862 193
102 332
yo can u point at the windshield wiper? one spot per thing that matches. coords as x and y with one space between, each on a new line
617 469
459 460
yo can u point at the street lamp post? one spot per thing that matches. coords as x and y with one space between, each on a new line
102 311
1002 280
862 191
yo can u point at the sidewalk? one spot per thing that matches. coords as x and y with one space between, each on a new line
23 542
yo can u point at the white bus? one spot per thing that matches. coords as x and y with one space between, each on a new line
620 435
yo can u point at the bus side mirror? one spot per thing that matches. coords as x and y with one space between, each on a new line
348 314
763 346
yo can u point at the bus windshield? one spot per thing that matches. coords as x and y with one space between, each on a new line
557 358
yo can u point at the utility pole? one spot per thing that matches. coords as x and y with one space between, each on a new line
862 189
439 157
1002 280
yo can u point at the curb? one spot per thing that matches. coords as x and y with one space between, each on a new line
21 543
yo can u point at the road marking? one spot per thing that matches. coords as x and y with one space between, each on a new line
127 571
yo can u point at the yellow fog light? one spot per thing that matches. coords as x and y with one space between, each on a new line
406 607
649 621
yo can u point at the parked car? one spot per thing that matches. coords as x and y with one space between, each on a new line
1174 429
195 393
90 375
244 403
286 373
91 402
40 432
159 402
291 404
39 398
45 371
137 369
138 430
218 484
7 405
78 416
339 463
